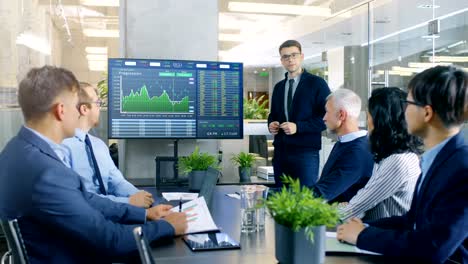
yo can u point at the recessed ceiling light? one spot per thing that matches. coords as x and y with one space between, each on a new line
430 37
424 6
279 9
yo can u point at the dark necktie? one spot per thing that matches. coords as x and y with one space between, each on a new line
97 173
290 96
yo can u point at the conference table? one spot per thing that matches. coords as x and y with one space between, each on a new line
258 247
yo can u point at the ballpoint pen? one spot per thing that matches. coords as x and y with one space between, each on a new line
180 204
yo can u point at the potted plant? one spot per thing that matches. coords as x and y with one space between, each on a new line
300 220
244 161
256 108
195 166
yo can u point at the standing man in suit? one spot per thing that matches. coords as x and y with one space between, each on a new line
435 230
349 165
102 178
60 222
297 109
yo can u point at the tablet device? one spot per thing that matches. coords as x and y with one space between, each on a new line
210 241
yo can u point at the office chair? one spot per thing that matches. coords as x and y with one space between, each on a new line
16 249
143 246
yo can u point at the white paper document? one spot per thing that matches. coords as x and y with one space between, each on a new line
198 216
174 196
334 246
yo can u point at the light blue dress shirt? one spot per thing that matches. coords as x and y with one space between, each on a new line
118 189
428 158
352 136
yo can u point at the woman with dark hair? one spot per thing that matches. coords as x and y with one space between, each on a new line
396 168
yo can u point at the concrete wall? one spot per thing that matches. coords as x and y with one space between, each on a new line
162 29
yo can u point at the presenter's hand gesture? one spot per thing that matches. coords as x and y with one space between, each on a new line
350 231
273 127
178 221
157 212
289 128
141 199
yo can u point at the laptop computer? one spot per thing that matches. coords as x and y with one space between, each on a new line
209 183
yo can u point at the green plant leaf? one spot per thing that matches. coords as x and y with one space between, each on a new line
296 207
197 161
243 159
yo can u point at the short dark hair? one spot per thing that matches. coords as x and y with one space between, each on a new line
41 86
390 134
445 89
290 43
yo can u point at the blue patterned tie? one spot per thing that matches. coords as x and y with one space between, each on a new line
97 173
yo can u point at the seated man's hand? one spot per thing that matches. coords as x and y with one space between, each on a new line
157 212
141 199
350 231
178 221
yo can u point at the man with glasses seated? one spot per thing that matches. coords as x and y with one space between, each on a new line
297 108
89 156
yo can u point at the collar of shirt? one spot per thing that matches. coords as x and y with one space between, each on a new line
80 134
352 136
60 151
428 157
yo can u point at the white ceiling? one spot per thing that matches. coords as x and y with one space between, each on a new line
259 35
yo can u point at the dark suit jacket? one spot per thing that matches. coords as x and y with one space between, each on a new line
308 109
435 229
61 223
347 170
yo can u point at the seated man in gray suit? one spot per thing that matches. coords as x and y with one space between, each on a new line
60 222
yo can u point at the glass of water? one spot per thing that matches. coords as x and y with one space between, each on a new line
248 209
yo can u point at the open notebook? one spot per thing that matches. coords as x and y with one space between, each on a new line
198 216
333 246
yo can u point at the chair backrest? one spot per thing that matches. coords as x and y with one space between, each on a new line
17 249
143 246
208 185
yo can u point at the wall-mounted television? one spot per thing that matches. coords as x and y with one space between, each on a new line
174 99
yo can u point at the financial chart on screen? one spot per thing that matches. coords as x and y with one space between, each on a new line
174 99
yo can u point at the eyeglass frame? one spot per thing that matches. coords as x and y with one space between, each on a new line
406 102
293 56
98 103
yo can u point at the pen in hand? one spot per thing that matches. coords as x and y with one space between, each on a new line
180 205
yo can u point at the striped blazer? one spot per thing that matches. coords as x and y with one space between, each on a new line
389 190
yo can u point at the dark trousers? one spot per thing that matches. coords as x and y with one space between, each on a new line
302 163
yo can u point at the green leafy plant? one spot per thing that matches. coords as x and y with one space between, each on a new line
243 159
197 161
103 89
296 207
253 109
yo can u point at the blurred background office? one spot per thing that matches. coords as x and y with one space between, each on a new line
360 45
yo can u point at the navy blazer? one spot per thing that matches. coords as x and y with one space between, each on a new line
435 229
308 109
59 221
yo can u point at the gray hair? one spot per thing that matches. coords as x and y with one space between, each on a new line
346 100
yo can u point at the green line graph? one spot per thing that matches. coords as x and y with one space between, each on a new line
142 102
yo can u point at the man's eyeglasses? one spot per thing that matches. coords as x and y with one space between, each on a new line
98 102
293 56
406 102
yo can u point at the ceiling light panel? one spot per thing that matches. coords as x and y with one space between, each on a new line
96 50
263 8
102 33
100 2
